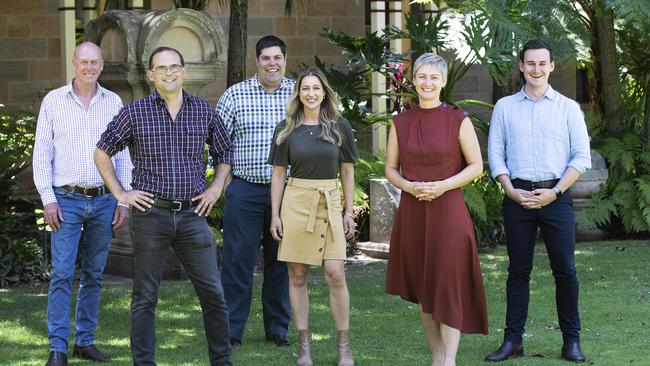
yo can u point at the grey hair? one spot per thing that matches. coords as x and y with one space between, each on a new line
433 60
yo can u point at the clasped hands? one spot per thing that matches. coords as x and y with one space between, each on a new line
426 191
534 199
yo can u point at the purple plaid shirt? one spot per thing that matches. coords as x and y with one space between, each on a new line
168 155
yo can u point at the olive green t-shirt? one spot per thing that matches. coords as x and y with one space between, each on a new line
308 156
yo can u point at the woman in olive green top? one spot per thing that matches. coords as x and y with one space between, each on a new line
307 219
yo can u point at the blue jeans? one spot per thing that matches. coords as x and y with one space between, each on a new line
94 216
557 224
246 223
153 233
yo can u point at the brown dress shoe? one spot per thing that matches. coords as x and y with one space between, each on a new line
506 351
90 352
572 352
57 359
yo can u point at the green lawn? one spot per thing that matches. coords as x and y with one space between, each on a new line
614 302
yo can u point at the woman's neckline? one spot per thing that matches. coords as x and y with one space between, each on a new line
442 105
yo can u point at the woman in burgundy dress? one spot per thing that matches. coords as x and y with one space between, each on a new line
432 152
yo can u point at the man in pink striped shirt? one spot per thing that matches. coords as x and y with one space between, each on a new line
81 212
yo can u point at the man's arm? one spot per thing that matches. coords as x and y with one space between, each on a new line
138 199
42 166
211 195
225 110
580 156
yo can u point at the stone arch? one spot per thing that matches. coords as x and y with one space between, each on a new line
195 34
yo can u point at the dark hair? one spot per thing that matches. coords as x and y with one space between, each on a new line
535 44
164 49
270 41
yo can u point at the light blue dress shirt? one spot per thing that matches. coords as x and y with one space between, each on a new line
537 140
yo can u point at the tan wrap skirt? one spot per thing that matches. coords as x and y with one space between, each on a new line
312 222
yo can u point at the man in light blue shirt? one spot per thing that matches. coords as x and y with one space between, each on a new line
537 148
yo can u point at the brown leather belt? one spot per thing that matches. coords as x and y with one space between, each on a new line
88 192
530 186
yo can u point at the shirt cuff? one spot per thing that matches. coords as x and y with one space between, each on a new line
225 158
106 147
48 198
497 171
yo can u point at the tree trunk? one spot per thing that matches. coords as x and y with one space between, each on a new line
607 68
237 35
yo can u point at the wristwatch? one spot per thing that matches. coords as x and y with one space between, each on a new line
558 192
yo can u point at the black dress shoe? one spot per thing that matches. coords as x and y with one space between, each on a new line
506 351
234 342
57 359
90 352
571 352
278 339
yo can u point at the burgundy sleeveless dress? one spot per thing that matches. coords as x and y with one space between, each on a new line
433 259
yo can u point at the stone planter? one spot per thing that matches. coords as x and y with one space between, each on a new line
583 189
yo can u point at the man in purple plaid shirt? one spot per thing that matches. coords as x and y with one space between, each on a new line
166 133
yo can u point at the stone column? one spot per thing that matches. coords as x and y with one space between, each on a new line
377 24
67 26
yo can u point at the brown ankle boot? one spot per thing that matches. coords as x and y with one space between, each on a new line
304 348
345 354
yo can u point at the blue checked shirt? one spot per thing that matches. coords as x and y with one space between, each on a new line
250 115
167 155
537 140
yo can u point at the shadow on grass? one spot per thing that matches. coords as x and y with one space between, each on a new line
614 302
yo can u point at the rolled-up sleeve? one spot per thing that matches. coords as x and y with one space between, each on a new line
221 148
118 134
579 140
497 143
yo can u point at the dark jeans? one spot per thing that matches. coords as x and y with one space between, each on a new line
247 219
557 224
153 232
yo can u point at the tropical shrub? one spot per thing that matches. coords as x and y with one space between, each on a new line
21 256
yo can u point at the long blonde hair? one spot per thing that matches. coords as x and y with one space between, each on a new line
329 113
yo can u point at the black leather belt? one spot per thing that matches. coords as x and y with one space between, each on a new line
174 205
530 186
88 192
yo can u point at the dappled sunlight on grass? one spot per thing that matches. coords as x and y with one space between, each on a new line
385 330
13 331
171 315
118 342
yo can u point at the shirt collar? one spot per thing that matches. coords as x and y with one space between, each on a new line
550 93
101 91
284 83
187 97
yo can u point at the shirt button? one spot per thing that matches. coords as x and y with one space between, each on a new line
320 250
322 235
325 221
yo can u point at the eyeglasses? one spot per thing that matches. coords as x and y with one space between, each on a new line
162 70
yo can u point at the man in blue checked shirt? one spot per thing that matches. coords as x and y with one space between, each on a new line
77 207
166 133
250 111
537 148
